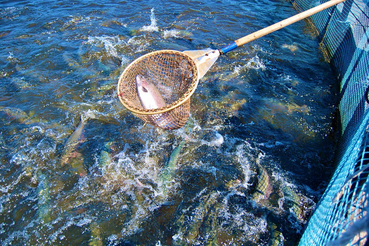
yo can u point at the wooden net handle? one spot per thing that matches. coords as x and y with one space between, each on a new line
258 34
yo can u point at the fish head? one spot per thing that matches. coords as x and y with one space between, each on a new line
142 84
148 94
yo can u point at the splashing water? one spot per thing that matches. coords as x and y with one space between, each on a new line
243 170
153 27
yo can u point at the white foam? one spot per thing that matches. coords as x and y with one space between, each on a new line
237 69
173 33
244 162
110 43
153 27
255 63
178 236
217 141
242 220
83 221
112 238
139 42
11 55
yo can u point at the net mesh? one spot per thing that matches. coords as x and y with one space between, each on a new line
341 216
175 76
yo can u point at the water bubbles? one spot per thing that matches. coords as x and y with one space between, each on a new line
213 139
83 221
255 63
171 33
110 44
110 190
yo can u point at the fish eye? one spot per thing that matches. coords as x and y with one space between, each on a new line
144 89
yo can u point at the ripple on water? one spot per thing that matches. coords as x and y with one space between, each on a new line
243 170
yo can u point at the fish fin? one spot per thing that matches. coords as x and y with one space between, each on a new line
87 115
90 115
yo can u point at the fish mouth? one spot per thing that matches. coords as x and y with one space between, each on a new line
139 80
141 83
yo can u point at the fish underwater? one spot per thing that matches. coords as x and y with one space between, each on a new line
105 157
264 187
74 138
167 174
43 192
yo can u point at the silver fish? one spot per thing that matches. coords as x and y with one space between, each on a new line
105 157
73 140
167 174
151 98
43 192
149 95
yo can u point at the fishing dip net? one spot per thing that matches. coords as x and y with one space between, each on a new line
171 77
175 76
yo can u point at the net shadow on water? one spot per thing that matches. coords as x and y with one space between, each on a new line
77 168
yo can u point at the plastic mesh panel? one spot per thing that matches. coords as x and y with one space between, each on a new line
344 205
341 217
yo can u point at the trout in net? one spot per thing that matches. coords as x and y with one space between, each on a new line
151 98
149 95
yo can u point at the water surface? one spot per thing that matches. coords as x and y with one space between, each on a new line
251 162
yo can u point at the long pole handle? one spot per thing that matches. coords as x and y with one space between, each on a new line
258 34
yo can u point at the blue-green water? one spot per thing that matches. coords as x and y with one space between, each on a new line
253 159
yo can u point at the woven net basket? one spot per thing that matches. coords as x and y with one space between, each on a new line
175 76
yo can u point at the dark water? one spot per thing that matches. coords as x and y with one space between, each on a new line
250 164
